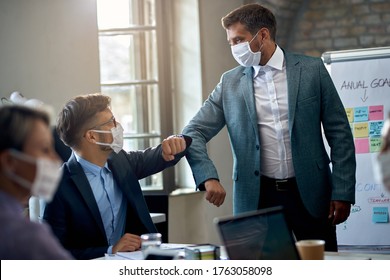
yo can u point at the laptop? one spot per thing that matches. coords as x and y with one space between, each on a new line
258 235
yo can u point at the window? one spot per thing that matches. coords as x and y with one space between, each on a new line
134 73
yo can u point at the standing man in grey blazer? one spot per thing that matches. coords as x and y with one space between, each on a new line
275 106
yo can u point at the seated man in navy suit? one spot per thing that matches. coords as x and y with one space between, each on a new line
99 206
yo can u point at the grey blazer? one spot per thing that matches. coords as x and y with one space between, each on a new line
313 102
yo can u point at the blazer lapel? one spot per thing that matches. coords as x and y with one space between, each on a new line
120 172
246 87
125 179
293 71
80 180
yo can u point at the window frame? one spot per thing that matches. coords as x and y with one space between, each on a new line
163 82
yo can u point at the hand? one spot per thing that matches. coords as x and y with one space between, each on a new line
128 243
339 211
171 146
215 193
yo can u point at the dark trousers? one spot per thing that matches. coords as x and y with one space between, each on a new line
304 226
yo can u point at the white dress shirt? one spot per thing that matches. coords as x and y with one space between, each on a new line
270 87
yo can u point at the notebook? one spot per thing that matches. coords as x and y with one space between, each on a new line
258 235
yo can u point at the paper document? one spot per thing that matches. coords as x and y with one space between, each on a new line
138 255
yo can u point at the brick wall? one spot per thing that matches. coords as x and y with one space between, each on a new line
315 26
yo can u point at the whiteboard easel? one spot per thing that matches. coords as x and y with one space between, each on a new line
362 79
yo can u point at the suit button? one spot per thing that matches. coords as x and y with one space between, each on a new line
257 147
257 173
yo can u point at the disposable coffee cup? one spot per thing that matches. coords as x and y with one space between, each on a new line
150 240
312 249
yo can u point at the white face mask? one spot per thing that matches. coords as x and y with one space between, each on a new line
117 136
384 169
47 176
243 54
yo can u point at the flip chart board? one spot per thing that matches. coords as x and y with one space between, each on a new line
362 79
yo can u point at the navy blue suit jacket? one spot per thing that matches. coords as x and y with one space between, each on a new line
74 215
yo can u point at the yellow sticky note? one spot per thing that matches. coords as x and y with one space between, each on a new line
350 115
360 130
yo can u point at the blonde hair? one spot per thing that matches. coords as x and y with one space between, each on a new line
16 124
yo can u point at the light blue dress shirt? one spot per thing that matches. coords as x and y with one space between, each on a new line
109 198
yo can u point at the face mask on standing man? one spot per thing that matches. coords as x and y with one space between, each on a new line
243 54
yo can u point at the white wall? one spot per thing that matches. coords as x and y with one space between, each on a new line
186 70
48 49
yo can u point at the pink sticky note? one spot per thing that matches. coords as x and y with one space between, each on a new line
362 146
376 113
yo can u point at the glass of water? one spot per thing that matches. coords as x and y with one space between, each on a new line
149 240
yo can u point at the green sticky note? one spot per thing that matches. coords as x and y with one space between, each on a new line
375 144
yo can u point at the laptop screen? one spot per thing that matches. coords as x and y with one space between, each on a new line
259 235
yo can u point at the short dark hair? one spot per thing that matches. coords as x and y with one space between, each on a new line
78 115
253 17
16 124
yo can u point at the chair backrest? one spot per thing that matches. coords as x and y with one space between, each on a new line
36 208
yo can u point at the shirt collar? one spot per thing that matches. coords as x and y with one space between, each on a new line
276 62
89 166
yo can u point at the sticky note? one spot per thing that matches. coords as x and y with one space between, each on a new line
362 146
349 112
380 214
376 113
361 114
376 128
360 130
375 144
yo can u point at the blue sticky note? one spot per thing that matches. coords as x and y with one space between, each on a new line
380 214
376 128
361 114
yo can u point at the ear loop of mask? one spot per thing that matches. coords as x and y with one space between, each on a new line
23 157
18 179
117 138
254 37
252 40
106 132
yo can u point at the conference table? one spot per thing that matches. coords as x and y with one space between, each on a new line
137 255
158 217
355 256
